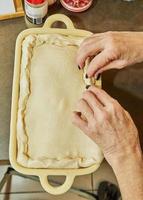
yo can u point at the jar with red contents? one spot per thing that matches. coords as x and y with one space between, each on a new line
76 5
36 11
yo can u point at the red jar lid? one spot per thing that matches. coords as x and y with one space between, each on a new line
35 2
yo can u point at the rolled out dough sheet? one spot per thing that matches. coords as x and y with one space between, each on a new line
50 85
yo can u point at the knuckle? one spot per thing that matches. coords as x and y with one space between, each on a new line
92 125
105 116
110 35
115 104
93 122
86 40
114 50
112 43
86 94
83 52
111 108
83 48
83 45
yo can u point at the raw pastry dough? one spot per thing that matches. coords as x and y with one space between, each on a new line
50 85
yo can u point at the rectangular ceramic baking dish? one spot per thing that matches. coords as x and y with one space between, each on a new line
42 173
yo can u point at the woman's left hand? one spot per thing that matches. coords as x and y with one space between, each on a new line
105 121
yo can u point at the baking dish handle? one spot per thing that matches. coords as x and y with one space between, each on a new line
56 190
58 17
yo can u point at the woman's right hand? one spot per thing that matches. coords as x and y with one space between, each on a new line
110 50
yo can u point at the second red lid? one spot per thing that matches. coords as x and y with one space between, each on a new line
35 2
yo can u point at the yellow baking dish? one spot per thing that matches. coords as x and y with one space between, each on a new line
42 173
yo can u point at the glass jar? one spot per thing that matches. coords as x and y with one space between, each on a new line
36 11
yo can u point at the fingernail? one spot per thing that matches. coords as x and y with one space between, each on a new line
79 67
86 76
87 86
98 77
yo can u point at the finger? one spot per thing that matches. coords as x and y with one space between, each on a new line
85 109
98 62
87 50
92 39
92 100
102 96
116 64
77 121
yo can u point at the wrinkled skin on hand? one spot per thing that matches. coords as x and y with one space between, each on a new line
110 50
105 121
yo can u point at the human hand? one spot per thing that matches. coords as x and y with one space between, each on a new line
104 120
110 50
